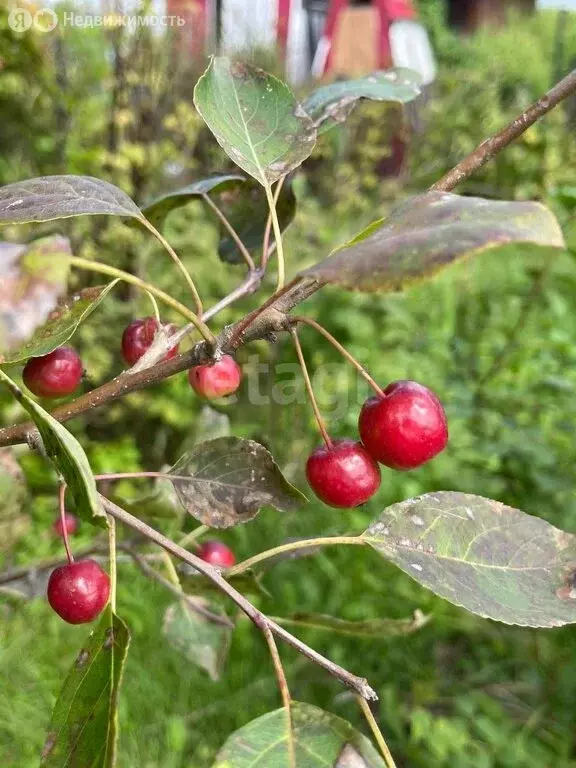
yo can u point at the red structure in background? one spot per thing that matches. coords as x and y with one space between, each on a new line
283 25
191 36
387 11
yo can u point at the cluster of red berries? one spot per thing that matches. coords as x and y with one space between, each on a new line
59 373
79 591
402 428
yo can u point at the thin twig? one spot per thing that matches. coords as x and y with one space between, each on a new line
261 324
284 692
496 143
152 573
343 351
99 550
176 259
249 285
310 388
231 231
365 707
358 684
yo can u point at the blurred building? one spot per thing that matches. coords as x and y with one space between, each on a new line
318 37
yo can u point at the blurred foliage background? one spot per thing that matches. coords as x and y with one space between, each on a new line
495 338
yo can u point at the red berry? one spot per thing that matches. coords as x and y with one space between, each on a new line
216 553
55 375
342 474
405 427
70 522
78 591
138 337
216 380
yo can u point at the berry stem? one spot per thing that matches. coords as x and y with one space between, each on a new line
343 351
62 507
231 231
309 388
105 269
176 259
266 250
171 568
130 475
371 720
277 235
113 568
193 536
293 546
154 307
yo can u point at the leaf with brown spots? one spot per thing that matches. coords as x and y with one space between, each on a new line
62 323
321 740
429 232
59 197
479 554
255 119
331 104
226 481
83 727
32 279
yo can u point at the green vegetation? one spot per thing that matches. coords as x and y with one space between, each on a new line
496 338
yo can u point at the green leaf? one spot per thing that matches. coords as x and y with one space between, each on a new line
83 729
67 455
491 559
226 481
59 197
201 641
255 119
159 208
332 104
321 740
62 323
370 628
246 208
32 278
429 232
